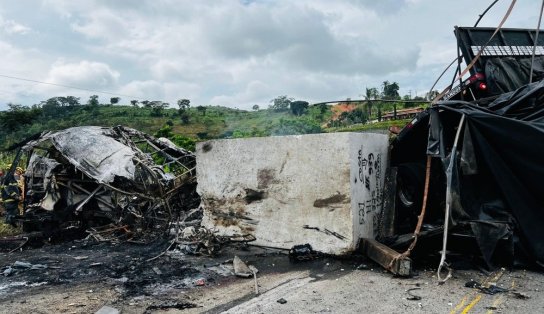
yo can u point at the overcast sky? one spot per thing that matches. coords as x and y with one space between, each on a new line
233 53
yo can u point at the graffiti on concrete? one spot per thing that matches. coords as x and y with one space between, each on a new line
370 176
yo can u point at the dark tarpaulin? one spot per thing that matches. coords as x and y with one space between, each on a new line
503 156
506 74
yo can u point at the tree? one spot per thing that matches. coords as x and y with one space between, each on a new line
93 101
255 107
184 104
356 116
281 103
134 103
146 103
299 107
201 109
371 94
390 90
323 108
157 108
114 100
72 101
17 116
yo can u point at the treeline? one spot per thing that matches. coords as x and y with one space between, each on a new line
187 125
184 124
377 102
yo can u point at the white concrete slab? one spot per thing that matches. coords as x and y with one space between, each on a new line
321 189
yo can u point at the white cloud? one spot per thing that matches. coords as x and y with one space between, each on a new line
11 27
144 90
232 52
84 74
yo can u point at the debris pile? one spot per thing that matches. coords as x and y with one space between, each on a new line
90 177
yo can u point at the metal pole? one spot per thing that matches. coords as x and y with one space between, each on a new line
536 43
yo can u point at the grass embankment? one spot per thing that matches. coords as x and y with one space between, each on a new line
383 125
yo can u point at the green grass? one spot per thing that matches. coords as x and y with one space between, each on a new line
215 122
383 125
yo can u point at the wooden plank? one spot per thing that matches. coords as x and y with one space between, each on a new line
388 258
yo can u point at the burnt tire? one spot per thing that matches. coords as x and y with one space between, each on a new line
409 195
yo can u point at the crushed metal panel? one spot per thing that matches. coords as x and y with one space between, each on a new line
94 151
293 190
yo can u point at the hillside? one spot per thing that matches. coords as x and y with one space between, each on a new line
185 127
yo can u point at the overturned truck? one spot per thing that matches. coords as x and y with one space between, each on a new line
89 177
474 158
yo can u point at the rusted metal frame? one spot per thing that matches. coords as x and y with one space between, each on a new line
65 178
188 171
173 159
162 198
86 200
177 160
150 143
127 140
129 193
388 258
81 189
106 235
139 162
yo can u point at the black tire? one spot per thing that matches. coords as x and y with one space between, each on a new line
409 195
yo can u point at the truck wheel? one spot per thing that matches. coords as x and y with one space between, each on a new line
409 198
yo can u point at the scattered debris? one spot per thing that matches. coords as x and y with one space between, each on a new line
200 282
412 296
521 295
303 252
326 231
170 305
107 310
363 267
202 241
491 289
20 266
240 268
254 270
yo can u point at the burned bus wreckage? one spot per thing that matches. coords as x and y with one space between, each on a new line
90 177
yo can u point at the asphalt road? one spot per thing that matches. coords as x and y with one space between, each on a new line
319 286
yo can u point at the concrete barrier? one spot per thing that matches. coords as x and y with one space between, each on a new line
321 189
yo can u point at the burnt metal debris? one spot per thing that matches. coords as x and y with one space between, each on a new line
115 183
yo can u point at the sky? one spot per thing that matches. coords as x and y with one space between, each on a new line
234 53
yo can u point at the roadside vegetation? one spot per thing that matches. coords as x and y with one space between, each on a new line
186 124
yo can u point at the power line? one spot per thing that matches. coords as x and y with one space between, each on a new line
68 86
